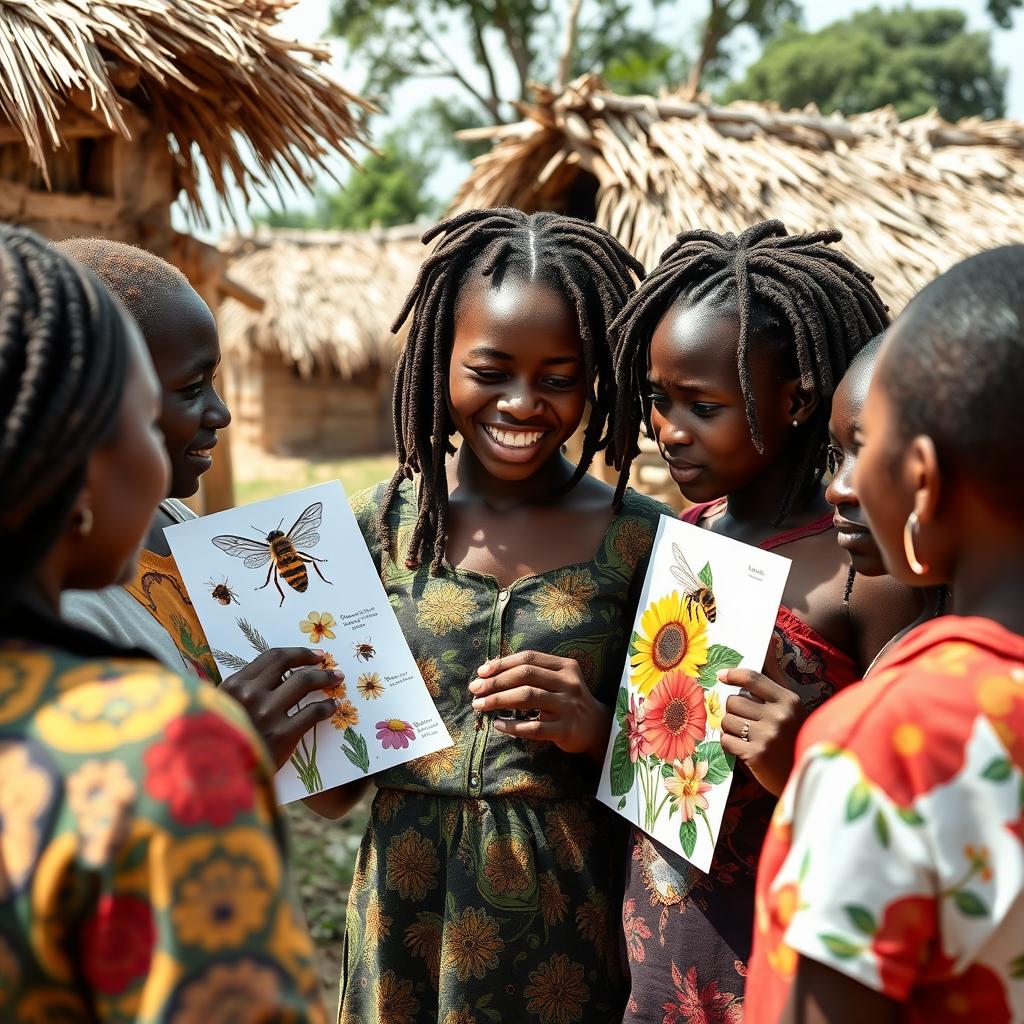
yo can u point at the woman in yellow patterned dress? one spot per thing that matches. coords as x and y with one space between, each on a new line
142 873
486 884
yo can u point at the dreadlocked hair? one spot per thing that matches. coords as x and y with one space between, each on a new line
63 360
579 260
790 290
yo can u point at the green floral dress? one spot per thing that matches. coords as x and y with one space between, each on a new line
484 882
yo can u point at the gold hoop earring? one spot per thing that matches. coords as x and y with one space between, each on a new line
84 524
918 568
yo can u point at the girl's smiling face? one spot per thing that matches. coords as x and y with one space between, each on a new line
698 410
517 387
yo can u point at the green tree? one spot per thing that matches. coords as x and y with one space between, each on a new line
913 59
387 189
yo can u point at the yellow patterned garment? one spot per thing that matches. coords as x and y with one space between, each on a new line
142 865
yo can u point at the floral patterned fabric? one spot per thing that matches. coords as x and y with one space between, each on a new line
485 887
688 934
896 854
142 868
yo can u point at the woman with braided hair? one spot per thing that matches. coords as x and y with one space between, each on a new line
142 871
485 884
730 352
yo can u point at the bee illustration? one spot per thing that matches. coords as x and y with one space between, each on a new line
696 590
364 651
282 550
222 592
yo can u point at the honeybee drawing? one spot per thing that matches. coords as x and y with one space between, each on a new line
697 588
364 651
221 592
284 551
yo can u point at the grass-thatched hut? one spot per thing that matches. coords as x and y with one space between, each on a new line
911 197
110 110
311 373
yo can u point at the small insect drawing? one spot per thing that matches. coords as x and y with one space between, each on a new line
221 592
364 651
284 551
696 590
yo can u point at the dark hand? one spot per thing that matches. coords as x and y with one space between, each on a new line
267 696
761 729
570 716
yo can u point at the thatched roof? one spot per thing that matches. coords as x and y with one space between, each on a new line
211 75
911 197
330 297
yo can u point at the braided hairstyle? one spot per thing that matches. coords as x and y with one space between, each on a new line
792 291
583 263
63 362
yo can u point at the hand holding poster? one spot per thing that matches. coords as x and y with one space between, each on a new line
303 577
665 769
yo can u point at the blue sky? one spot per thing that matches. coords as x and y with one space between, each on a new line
308 20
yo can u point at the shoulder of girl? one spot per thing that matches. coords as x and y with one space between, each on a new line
637 504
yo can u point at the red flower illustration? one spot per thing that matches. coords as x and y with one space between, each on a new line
905 943
708 1004
675 717
636 931
976 995
203 769
117 943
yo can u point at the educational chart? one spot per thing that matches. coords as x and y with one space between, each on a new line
708 603
294 571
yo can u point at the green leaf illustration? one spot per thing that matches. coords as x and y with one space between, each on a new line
621 803
718 763
719 657
688 836
969 904
705 576
998 770
622 707
354 748
840 947
910 816
882 829
858 801
621 771
862 918
632 643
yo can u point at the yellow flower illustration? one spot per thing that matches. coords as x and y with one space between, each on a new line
328 662
444 607
716 713
395 1002
224 903
463 1015
423 939
376 922
26 790
346 714
552 900
557 991
318 626
101 795
592 921
387 803
507 865
565 602
633 541
240 990
339 691
569 833
471 944
370 686
431 673
673 637
441 764
99 716
412 865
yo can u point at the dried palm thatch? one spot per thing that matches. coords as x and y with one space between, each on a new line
329 298
911 197
209 75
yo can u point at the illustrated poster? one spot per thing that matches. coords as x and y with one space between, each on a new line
294 571
708 603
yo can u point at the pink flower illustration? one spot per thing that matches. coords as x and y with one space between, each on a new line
395 734
638 743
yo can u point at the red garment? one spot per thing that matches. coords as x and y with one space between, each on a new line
896 855
688 935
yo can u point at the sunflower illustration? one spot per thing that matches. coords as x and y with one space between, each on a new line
673 637
369 685
318 625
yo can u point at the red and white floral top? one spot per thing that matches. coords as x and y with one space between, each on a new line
896 853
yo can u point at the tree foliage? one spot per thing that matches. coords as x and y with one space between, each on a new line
388 189
912 58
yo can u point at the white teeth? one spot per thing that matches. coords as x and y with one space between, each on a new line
203 453
515 438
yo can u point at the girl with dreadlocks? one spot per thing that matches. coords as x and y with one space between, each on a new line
142 870
484 881
729 353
